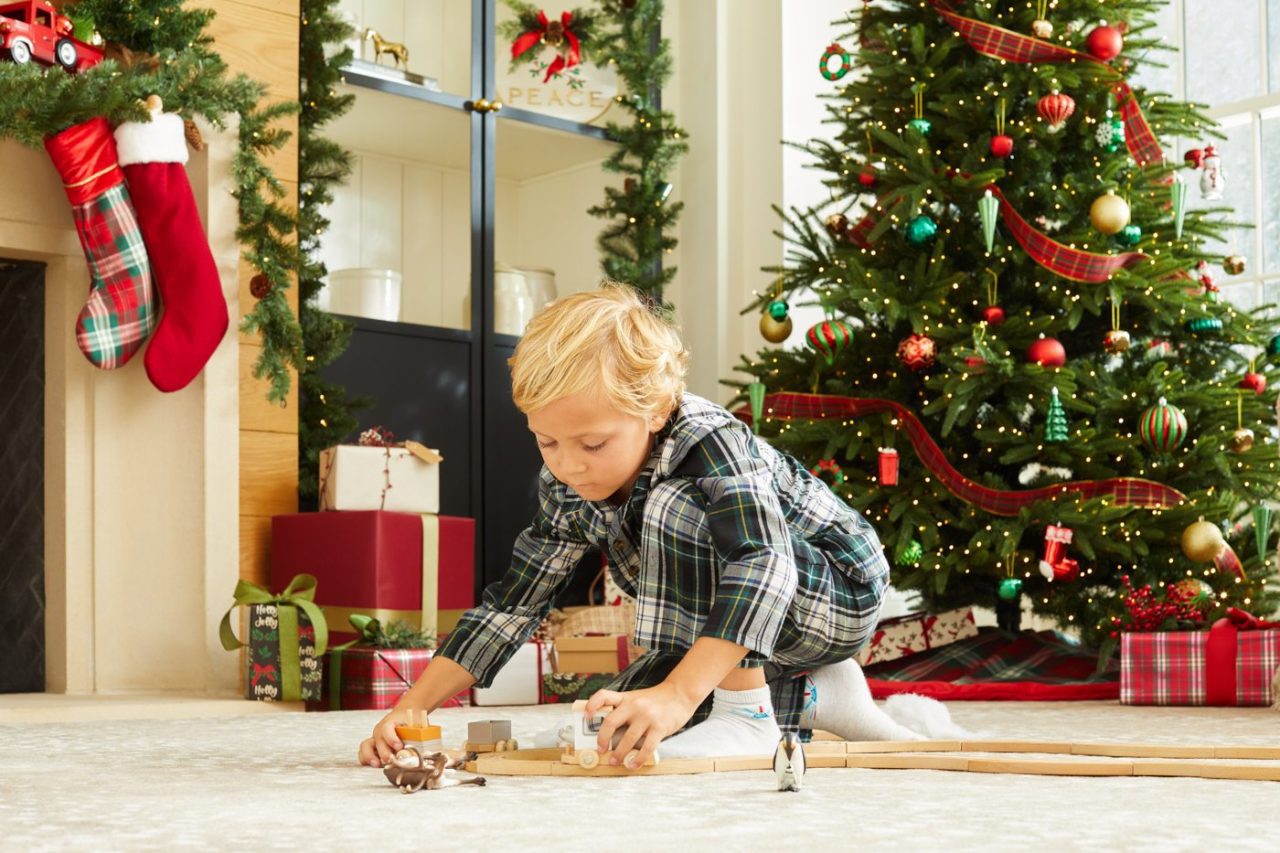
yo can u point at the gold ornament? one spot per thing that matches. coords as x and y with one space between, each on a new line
837 225
1234 264
1109 213
1242 440
774 331
1116 341
1202 541
1041 29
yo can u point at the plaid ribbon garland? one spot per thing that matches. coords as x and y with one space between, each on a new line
1071 264
1124 491
1000 43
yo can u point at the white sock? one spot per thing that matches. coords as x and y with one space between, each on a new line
837 700
742 722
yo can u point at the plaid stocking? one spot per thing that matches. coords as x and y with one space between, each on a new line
121 311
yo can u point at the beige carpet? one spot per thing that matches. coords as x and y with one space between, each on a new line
288 781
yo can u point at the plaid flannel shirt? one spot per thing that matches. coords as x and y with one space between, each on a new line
777 536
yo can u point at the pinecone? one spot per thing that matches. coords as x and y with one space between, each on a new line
193 137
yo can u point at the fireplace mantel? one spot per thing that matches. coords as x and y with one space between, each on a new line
141 488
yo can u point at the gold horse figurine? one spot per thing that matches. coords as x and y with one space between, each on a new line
398 52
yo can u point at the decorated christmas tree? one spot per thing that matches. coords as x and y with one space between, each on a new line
1025 374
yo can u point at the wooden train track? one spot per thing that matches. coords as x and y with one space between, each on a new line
971 756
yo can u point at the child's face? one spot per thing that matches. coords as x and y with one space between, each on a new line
592 447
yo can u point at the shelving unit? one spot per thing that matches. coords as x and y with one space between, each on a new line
443 190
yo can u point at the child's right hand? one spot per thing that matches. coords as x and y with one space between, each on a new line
377 751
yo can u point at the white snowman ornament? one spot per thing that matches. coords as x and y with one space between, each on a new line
1211 178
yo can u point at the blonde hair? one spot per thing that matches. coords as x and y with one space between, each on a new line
606 339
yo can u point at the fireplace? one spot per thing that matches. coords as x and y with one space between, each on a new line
129 541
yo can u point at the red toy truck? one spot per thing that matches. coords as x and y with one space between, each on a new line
34 30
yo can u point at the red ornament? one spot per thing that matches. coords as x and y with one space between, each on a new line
975 363
1047 352
993 315
918 352
259 286
888 466
1056 565
1104 42
1195 157
1255 382
1056 108
1001 146
867 177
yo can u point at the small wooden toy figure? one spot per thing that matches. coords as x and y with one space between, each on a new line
490 736
411 771
585 732
35 30
788 763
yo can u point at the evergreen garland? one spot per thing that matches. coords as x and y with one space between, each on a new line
158 47
326 416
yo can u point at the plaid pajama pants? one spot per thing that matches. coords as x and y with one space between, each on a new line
831 616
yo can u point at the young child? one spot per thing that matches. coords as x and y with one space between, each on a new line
754 584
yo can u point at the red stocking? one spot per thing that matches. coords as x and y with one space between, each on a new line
194 318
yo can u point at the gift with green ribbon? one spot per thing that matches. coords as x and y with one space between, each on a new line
288 637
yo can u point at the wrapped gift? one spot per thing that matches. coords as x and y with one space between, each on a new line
419 569
558 687
917 632
519 682
399 478
367 678
288 637
602 654
1235 662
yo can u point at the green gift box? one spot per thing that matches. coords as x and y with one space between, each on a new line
288 637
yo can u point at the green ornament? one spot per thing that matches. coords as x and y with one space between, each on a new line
1129 235
1010 589
1261 528
829 338
988 207
1273 347
778 310
912 554
921 230
83 27
1178 191
1204 324
920 126
1162 427
755 393
1055 425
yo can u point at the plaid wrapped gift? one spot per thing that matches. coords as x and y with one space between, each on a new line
367 678
559 687
907 635
1222 666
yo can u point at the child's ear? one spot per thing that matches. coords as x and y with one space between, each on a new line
658 421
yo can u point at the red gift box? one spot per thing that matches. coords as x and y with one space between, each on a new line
374 563
1222 666
367 678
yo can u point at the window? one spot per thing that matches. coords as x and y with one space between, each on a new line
1228 56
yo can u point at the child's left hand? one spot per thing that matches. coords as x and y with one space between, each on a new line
653 713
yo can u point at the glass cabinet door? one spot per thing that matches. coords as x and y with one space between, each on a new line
399 246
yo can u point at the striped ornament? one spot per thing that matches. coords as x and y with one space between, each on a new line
1163 427
829 338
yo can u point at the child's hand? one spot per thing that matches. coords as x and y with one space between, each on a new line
377 751
652 714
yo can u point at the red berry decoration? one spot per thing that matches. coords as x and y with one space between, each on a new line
1047 352
1104 42
918 352
1001 146
993 315
1056 108
1255 382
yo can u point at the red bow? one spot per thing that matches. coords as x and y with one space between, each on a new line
1246 621
267 671
527 40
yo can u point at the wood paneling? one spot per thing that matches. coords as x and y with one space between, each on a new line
255 548
256 413
260 43
268 473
